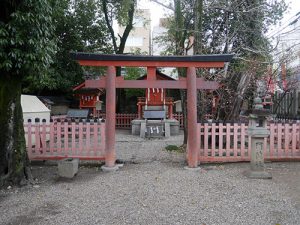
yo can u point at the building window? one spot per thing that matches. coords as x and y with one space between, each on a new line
134 42
138 21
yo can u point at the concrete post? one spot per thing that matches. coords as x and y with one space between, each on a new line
110 133
258 133
192 148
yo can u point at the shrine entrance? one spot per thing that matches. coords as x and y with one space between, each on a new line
110 82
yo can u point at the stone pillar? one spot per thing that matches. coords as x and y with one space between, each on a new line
143 129
257 130
192 148
110 131
167 129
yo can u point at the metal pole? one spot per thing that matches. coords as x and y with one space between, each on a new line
192 148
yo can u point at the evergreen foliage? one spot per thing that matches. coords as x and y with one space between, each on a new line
26 47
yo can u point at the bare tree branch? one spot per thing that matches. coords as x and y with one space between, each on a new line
170 6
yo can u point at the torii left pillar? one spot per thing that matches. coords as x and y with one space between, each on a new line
192 143
110 133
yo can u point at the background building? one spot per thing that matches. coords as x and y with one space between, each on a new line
140 37
158 31
288 48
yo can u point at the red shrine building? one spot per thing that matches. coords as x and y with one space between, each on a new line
155 98
88 97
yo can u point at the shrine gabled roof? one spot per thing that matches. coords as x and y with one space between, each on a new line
141 58
82 89
87 90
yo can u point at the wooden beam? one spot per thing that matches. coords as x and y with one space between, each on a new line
143 58
151 73
143 84
151 64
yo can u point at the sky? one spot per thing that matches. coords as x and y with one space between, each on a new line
289 15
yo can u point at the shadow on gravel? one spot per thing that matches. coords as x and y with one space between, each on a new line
2 196
49 174
36 215
84 175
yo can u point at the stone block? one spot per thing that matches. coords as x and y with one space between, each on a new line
167 129
143 130
136 126
174 126
68 168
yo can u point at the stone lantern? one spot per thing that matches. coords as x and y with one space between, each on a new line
257 130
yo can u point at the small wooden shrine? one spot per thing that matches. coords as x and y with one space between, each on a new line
155 98
89 98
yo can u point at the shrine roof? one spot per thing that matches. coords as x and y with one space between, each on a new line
87 90
82 89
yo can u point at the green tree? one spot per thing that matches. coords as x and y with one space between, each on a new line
26 47
238 27
123 13
227 26
79 26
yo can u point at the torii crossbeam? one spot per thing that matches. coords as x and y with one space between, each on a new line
191 83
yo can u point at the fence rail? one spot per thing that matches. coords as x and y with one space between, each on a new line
230 142
123 120
58 140
217 142
179 117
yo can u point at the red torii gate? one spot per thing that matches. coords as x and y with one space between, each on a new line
191 83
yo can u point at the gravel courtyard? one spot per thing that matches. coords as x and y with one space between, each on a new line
154 188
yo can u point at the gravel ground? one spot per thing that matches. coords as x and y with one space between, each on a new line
154 188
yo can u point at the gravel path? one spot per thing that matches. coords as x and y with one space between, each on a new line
153 188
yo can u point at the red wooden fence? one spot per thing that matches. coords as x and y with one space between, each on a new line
217 142
179 117
123 120
59 140
230 142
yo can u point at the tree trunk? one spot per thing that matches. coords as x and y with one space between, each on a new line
198 11
240 96
198 27
184 114
14 163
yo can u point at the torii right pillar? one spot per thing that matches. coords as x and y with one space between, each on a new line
192 146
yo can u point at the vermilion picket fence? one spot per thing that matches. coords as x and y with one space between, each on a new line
123 120
217 142
179 117
220 142
57 140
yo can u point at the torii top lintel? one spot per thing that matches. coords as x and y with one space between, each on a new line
200 61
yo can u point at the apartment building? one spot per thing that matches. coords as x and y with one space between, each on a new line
140 37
